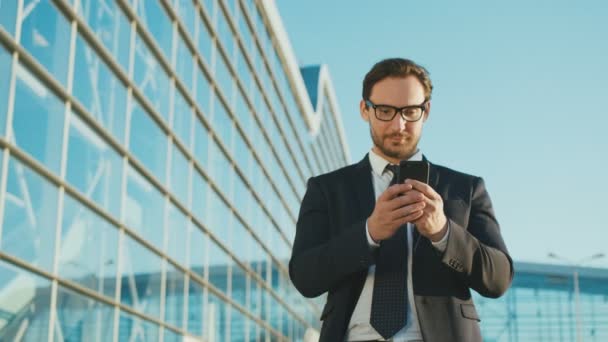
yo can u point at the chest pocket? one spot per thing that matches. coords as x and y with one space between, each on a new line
457 211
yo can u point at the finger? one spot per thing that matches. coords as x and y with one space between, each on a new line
410 197
394 191
413 217
426 189
407 210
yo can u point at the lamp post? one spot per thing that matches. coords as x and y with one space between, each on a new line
575 266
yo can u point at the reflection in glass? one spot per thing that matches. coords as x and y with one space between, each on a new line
171 336
8 16
239 285
99 91
144 208
187 14
220 217
180 174
196 306
218 266
199 196
25 299
80 318
37 120
45 34
88 252
182 119
177 235
141 278
203 92
184 63
5 78
93 167
205 44
30 216
147 141
201 143
239 326
150 78
174 296
198 248
109 24
154 18
224 79
215 318
134 329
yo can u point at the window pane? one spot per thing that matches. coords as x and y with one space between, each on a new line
182 119
198 249
196 305
225 33
22 291
239 326
174 297
180 173
134 329
30 216
5 81
201 143
88 252
110 25
184 64
141 275
205 43
219 217
239 285
45 34
8 16
144 208
224 79
220 170
203 92
80 318
177 235
99 91
187 13
215 315
151 78
93 167
171 336
147 142
200 187
155 20
38 120
218 267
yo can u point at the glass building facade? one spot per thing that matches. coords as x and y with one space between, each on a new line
153 158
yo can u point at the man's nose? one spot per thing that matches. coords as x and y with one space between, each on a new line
398 122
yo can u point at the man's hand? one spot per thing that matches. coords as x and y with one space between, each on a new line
432 223
392 210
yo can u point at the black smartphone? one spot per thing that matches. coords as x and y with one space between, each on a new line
418 170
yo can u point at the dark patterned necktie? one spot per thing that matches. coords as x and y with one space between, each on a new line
389 301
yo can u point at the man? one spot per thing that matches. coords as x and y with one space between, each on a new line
398 261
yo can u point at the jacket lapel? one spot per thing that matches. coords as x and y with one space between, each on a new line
364 186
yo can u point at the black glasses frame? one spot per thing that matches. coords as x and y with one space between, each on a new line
399 110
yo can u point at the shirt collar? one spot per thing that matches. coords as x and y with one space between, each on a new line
379 164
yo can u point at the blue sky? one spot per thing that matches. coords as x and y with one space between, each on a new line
521 99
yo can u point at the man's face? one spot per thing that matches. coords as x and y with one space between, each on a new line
396 139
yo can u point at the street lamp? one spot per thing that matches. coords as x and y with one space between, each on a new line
575 266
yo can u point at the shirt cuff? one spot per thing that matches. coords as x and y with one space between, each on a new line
443 243
370 241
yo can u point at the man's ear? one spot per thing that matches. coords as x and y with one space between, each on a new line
363 110
427 111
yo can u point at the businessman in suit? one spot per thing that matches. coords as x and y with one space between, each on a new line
398 260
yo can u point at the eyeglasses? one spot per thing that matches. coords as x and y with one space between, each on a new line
387 113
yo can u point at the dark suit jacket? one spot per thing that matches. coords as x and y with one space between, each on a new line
331 253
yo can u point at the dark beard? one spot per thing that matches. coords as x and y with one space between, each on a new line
402 154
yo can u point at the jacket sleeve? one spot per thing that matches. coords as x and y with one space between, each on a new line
322 255
478 252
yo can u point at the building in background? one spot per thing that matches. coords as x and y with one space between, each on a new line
153 158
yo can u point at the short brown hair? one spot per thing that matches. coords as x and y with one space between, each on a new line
396 67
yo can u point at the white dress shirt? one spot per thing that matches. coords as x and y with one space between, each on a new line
359 328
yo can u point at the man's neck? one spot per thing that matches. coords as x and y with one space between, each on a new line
391 160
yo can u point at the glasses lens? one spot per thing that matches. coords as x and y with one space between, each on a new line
412 114
385 113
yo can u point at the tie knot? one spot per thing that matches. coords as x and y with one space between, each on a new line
392 168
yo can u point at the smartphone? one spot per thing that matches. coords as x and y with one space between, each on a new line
418 170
